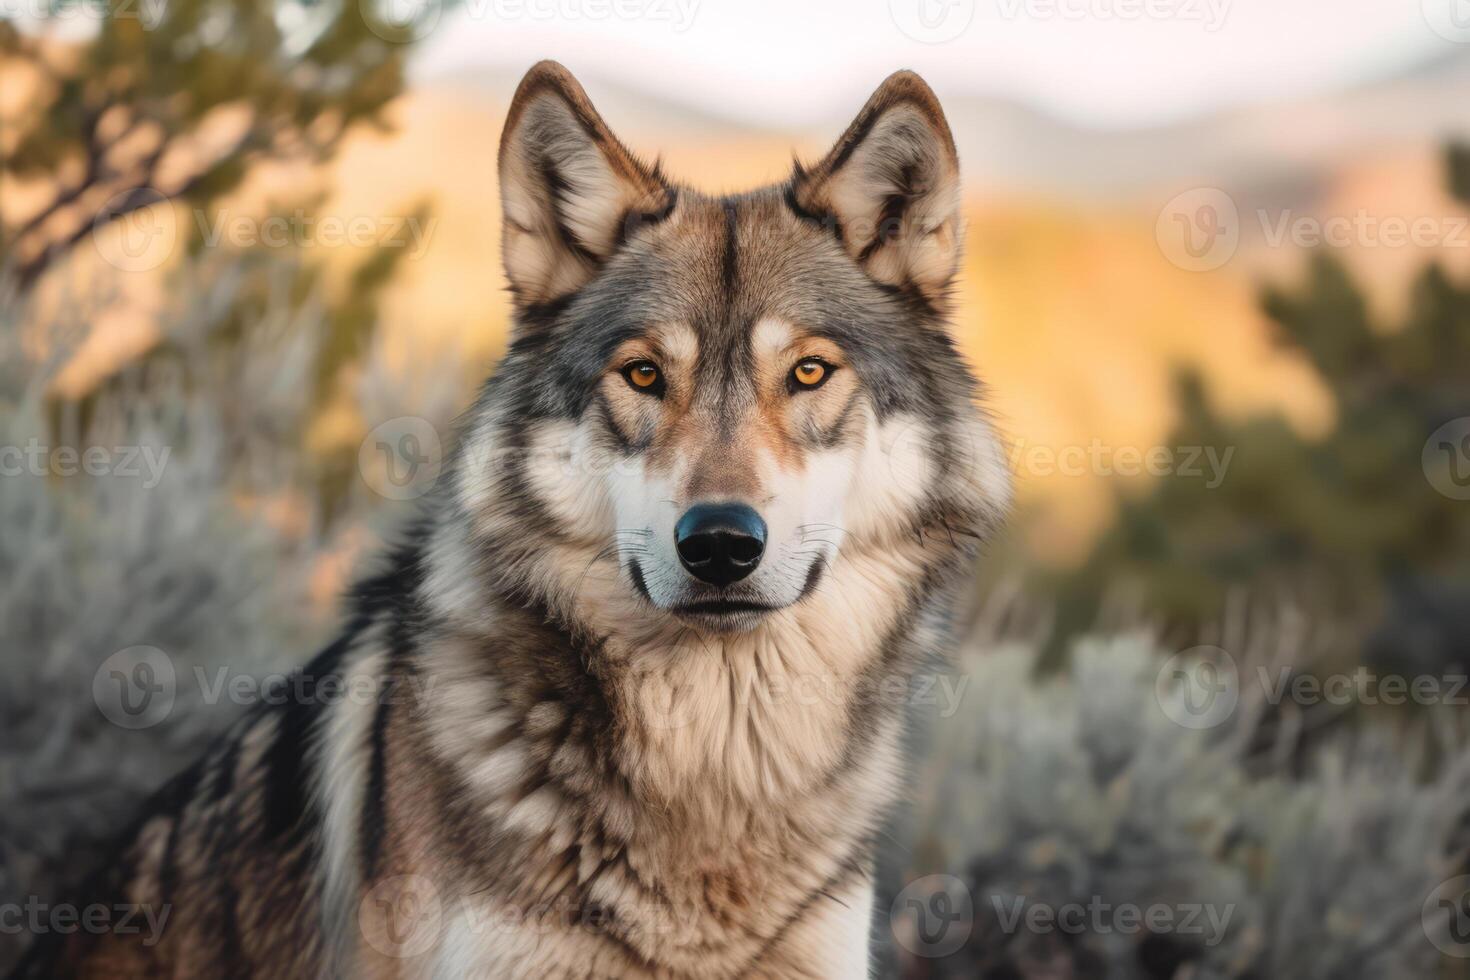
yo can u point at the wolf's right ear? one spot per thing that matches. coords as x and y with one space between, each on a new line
889 189
568 188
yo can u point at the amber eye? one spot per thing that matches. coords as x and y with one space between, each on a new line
644 376
810 373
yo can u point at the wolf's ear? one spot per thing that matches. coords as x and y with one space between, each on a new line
569 190
891 188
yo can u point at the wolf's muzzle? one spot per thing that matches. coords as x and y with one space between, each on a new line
720 543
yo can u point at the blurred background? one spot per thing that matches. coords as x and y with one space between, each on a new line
1217 280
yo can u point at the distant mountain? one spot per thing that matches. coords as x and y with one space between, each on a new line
1258 149
1263 150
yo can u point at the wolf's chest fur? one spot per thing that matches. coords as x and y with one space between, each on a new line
682 824
688 805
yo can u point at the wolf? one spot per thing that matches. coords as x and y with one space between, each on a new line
627 665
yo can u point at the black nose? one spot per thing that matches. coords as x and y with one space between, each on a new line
720 543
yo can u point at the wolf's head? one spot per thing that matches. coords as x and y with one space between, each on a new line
712 405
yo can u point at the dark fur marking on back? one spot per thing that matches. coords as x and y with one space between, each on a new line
373 822
183 791
224 771
285 763
397 591
235 960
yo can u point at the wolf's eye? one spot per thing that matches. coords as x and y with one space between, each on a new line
810 373
644 376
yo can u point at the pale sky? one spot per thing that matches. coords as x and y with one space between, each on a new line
1096 62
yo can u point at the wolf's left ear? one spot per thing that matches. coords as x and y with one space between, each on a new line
891 188
569 189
